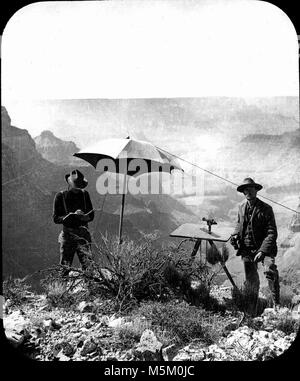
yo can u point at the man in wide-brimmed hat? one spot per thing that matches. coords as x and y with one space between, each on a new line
73 209
254 238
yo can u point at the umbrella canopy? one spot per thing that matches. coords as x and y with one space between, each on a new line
124 151
130 157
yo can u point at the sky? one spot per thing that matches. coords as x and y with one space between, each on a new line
142 49
138 49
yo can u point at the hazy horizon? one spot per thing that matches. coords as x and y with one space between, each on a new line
84 120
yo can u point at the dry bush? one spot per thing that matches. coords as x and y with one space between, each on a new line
191 278
58 293
136 271
290 277
15 289
131 273
243 299
287 324
181 322
131 332
286 296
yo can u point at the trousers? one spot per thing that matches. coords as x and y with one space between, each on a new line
75 241
252 278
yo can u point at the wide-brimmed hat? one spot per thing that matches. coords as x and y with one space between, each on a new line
77 178
248 182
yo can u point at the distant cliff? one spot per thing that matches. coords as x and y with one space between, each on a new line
19 141
26 203
273 160
56 150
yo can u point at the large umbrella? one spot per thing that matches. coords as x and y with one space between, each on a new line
127 154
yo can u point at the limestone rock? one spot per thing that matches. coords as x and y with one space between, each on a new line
104 321
116 323
16 328
215 353
62 357
192 352
149 348
63 347
85 307
88 320
50 324
182 356
89 346
169 352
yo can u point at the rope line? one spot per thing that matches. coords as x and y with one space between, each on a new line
223 178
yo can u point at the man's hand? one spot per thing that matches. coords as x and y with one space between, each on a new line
234 241
67 216
259 257
79 212
84 217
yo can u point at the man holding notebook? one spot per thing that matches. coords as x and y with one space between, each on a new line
73 209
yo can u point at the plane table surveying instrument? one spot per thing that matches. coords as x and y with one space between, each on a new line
198 233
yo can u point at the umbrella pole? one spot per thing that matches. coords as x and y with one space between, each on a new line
122 210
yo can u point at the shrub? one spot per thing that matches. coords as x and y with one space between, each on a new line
244 299
290 277
58 293
15 289
191 279
287 324
135 272
286 296
131 333
181 321
140 272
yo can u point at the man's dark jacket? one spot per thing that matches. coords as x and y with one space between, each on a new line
263 227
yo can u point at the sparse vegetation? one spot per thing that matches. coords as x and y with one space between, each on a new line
131 333
133 272
142 287
287 324
244 299
15 289
182 321
286 296
58 293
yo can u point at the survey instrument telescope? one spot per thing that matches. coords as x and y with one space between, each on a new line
209 221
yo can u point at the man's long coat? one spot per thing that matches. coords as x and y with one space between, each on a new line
263 227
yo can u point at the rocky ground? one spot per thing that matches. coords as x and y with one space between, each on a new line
45 333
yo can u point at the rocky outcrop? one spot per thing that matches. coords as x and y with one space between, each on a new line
280 155
19 141
16 328
56 150
27 201
72 335
295 222
149 348
243 344
290 260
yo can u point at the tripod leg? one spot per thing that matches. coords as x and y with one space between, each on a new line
225 269
228 275
196 247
